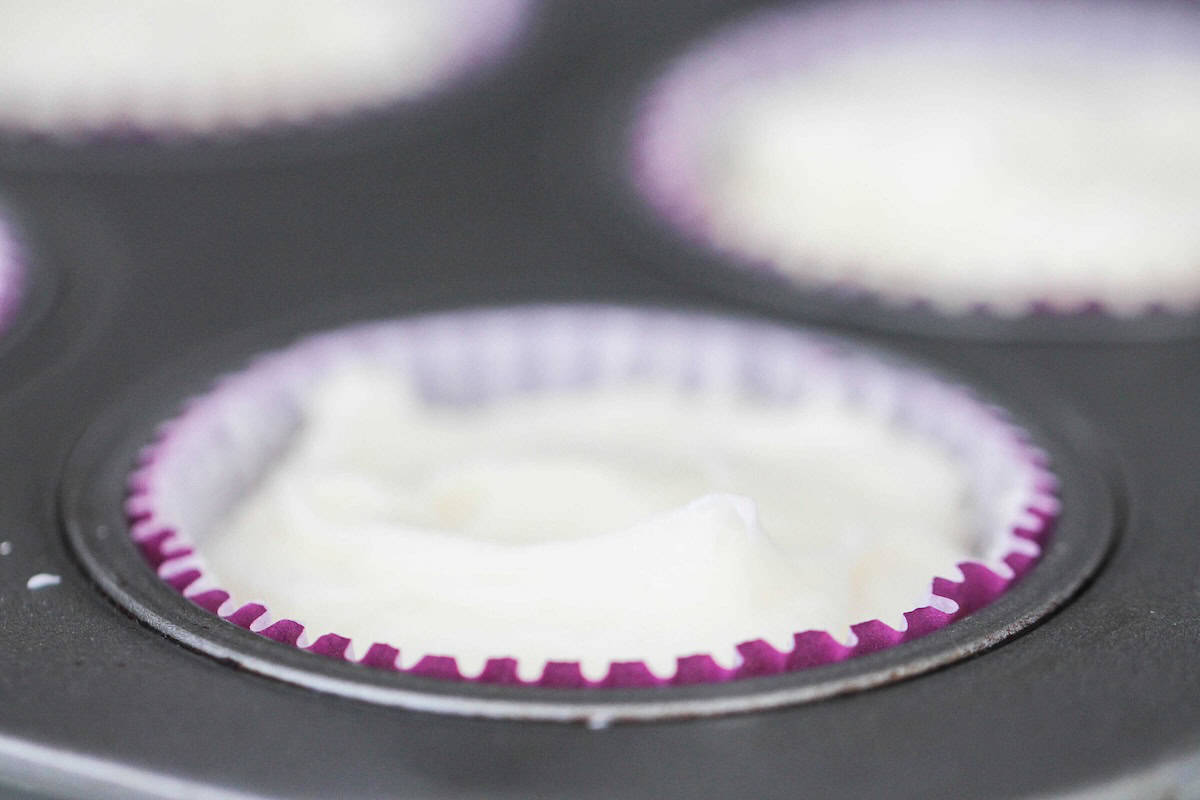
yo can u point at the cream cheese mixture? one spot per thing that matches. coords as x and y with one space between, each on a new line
622 522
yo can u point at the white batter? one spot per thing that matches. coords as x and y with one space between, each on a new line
1019 160
202 64
626 522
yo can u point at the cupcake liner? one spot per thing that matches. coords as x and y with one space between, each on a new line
364 56
668 147
205 459
12 276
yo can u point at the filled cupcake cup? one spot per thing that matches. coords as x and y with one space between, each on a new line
128 70
228 444
1005 159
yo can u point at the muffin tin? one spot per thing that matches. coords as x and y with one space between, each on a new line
151 277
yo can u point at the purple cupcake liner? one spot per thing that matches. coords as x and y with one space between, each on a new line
202 461
485 30
673 115
12 276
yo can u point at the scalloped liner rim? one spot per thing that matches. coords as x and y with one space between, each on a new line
174 560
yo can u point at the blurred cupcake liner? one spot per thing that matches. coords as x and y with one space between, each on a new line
673 118
362 56
12 275
202 461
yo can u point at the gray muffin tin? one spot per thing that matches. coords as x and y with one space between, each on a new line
156 268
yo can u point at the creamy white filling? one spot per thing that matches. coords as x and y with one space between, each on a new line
969 165
206 63
612 523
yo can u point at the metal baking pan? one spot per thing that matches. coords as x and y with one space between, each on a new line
151 278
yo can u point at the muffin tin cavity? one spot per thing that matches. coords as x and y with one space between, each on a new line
202 462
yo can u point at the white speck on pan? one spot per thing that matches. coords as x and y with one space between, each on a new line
42 580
